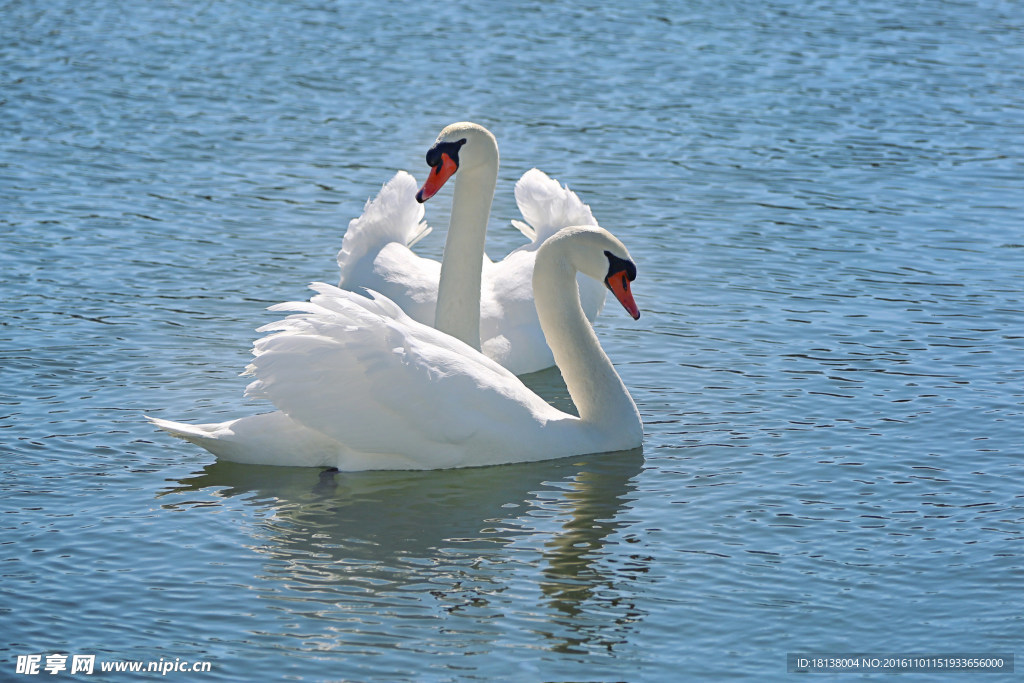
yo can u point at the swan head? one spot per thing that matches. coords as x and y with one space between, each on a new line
621 272
595 252
462 145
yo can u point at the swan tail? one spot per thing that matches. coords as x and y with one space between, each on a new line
547 206
393 215
264 439
204 435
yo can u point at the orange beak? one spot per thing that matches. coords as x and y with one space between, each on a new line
439 175
619 284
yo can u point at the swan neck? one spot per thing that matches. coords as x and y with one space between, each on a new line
458 291
601 398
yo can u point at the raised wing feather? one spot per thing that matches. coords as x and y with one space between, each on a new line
393 215
547 206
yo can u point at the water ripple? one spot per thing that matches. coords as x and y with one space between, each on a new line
824 205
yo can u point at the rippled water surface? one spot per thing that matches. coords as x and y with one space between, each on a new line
825 202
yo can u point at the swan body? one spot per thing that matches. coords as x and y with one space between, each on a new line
359 384
488 305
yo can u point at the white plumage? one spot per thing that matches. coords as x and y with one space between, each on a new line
359 384
376 251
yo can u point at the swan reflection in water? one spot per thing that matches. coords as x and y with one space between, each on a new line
349 548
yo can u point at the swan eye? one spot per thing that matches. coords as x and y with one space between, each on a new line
618 265
437 153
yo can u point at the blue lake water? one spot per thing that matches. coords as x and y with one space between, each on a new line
825 201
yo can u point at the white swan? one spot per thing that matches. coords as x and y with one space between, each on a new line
485 304
360 385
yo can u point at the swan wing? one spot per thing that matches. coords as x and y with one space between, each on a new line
509 328
359 370
547 206
393 216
